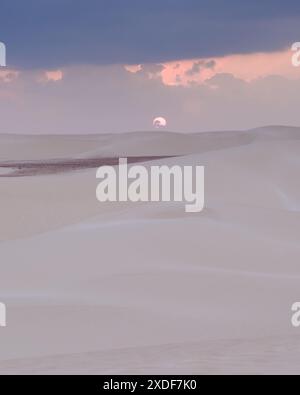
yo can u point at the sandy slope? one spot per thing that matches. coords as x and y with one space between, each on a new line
135 288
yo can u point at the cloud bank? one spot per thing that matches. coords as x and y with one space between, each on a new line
102 99
56 33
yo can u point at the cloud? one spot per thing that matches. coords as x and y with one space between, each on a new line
54 75
102 99
199 66
196 68
51 34
247 67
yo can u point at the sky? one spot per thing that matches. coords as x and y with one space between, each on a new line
99 66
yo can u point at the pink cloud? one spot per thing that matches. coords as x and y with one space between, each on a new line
247 67
53 75
7 75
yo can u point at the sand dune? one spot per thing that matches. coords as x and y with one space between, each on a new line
131 288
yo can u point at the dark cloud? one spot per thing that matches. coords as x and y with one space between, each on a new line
200 65
197 66
51 33
210 64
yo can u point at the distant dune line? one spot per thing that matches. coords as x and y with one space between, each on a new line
55 166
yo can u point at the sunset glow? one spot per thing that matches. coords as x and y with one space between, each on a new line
54 75
247 67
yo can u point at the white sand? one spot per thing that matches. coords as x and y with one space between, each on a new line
147 288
